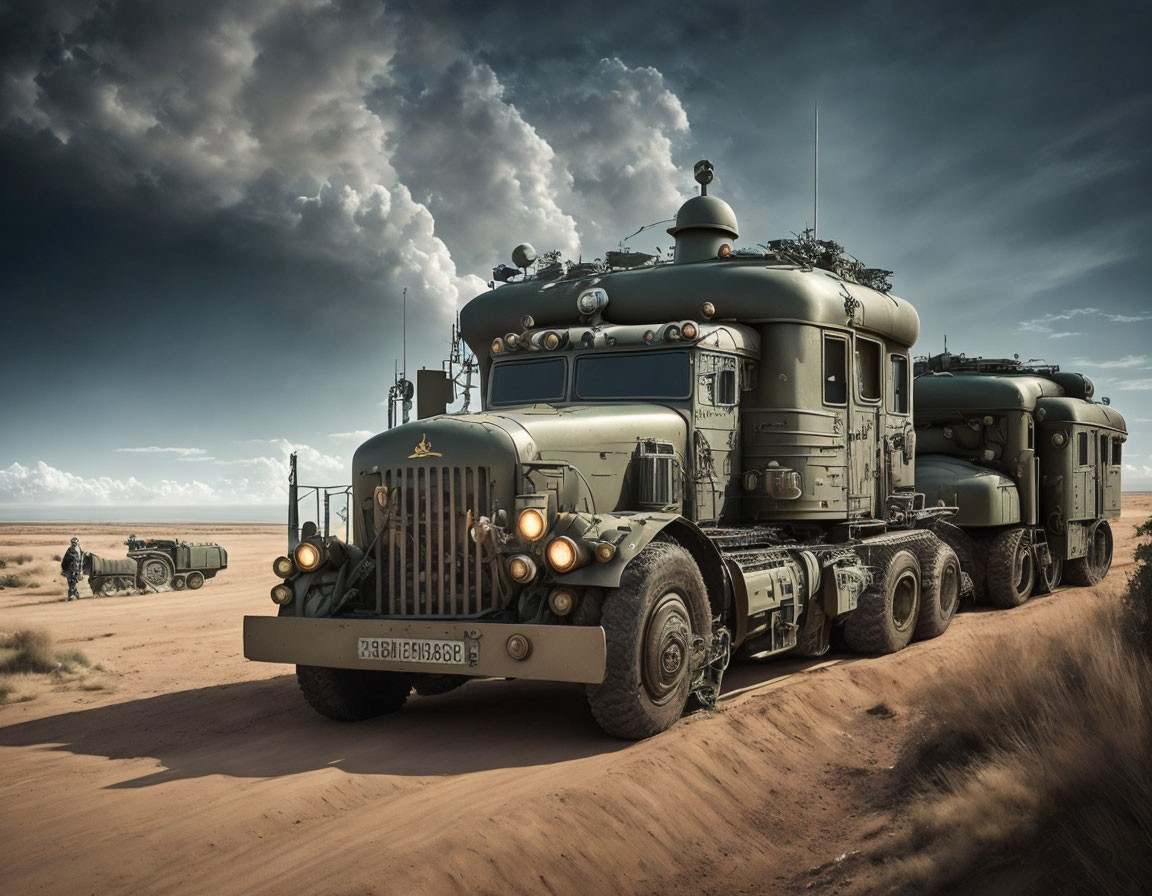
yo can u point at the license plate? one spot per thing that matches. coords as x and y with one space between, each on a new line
413 650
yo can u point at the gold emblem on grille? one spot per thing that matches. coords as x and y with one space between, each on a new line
424 449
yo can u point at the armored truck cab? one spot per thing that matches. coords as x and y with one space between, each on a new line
673 462
1032 463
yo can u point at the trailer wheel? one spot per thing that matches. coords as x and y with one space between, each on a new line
1011 569
106 587
887 612
1048 577
939 592
351 695
178 583
195 580
651 623
969 554
1090 569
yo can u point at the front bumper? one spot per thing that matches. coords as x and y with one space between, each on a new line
559 652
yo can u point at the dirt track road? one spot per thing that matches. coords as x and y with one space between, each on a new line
200 772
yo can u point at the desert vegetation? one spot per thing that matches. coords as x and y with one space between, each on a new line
21 578
30 661
1029 770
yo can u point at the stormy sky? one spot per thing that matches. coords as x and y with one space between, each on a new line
211 207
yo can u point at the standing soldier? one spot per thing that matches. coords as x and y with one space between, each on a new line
72 566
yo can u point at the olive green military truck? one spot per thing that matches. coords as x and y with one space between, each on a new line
674 462
1032 463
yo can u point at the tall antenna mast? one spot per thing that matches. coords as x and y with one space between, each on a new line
404 335
816 174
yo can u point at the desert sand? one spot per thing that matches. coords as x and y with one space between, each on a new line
195 771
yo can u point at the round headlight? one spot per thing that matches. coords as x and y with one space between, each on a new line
605 551
551 340
283 567
562 554
308 556
497 345
672 333
281 594
522 568
1059 439
689 331
511 340
707 310
531 524
380 496
561 601
527 322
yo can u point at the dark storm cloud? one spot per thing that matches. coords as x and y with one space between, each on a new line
222 201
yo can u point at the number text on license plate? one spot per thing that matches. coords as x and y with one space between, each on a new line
413 650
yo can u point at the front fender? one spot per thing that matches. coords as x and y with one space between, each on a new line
632 532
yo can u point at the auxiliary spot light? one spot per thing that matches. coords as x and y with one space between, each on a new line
308 556
561 601
522 568
283 567
281 594
531 524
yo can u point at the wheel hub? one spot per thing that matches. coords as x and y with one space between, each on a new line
666 647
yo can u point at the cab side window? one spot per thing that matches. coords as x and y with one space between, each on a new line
868 358
1115 452
901 388
1082 449
835 370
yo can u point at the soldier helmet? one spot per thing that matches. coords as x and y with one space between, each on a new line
75 540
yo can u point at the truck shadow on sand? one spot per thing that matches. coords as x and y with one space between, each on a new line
261 729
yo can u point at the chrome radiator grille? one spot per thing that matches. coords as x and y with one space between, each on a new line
431 566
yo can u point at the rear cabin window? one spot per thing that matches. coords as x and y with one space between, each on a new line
901 393
1082 449
835 370
1115 452
1104 440
868 355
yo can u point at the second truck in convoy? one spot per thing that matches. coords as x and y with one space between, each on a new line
674 462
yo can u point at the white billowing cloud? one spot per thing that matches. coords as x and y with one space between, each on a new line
154 449
356 435
1045 325
259 479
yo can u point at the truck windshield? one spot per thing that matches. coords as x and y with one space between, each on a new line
645 375
528 382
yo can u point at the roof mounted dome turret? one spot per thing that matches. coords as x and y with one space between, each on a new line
704 223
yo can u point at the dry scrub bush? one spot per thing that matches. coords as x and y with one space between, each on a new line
7 560
1031 767
17 580
27 653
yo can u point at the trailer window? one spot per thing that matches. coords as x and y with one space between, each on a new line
868 355
900 390
1115 452
835 370
1104 440
527 382
645 375
1082 449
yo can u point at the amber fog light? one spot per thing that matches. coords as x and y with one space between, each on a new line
522 568
531 524
605 551
689 330
725 251
281 594
518 647
561 601
308 556
283 567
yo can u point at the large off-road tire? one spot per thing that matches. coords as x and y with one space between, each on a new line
195 580
1090 569
939 591
887 612
1011 569
350 695
156 572
1048 577
968 552
650 622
